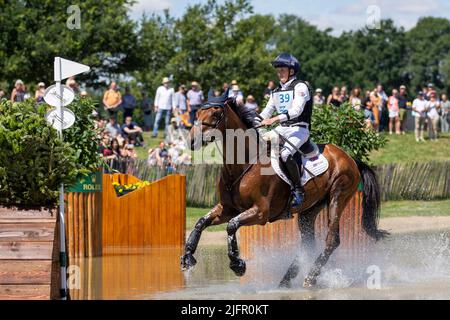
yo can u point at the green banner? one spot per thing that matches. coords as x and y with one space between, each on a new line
88 183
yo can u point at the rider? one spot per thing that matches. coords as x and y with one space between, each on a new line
293 103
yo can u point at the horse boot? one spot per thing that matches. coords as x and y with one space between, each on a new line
294 173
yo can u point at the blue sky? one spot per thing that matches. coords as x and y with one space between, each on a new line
340 15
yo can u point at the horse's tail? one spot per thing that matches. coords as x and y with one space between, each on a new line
371 201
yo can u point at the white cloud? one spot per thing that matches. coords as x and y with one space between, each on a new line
420 7
150 6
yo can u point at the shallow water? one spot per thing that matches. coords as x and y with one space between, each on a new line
411 266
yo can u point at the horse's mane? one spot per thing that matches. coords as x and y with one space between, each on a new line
231 102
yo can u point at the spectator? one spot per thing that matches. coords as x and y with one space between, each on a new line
113 128
147 108
84 94
382 108
129 155
236 93
112 99
269 89
335 99
344 94
39 94
419 107
161 154
368 114
151 159
104 148
225 88
318 97
72 84
2 95
394 112
164 102
403 106
376 103
18 93
429 91
433 108
131 131
194 101
128 103
181 106
113 155
445 113
251 104
217 93
355 99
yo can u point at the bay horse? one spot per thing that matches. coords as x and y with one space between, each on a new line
249 198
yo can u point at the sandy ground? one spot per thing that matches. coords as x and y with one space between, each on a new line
393 225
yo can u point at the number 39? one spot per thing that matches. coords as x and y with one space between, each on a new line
284 98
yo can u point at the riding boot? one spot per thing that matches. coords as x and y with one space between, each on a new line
294 173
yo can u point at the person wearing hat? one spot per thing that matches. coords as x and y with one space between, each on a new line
420 113
164 103
180 105
195 100
39 93
318 98
18 93
292 101
251 104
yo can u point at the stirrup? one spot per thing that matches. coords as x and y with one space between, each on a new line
297 198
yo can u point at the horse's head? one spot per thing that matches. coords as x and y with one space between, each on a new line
212 120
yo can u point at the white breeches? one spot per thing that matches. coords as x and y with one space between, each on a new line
296 135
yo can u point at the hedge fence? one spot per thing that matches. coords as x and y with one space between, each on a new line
412 181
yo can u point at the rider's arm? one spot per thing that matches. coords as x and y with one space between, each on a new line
268 110
301 97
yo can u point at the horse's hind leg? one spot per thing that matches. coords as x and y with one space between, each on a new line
188 260
338 201
249 217
306 222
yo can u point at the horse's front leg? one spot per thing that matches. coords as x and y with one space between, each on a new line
188 260
249 217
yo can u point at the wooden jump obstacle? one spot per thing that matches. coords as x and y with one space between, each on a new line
102 223
284 235
29 254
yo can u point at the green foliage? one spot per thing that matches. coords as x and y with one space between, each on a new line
344 127
34 161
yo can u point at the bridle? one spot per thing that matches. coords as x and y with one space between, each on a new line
222 115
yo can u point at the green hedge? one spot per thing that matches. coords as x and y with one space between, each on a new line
344 127
33 160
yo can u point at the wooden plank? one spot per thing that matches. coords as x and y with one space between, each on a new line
26 220
24 292
26 250
16 213
25 271
26 232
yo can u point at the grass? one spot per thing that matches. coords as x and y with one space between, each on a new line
404 148
388 210
415 208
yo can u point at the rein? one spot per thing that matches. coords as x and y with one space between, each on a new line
215 125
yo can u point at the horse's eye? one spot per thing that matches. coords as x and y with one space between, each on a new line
217 115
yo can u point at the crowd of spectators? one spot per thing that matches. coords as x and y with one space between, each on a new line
383 112
178 109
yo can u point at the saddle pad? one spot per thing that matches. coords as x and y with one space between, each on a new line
316 165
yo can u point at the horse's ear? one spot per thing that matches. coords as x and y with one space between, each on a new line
224 96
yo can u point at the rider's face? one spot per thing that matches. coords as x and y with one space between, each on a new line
283 74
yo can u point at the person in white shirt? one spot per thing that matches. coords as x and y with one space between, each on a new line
195 100
433 106
319 99
419 108
164 102
292 101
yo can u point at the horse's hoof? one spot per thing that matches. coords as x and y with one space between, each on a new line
238 266
285 284
309 282
187 262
